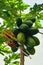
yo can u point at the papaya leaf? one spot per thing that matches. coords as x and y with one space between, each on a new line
16 63
15 56
37 23
1 53
5 49
8 60
41 15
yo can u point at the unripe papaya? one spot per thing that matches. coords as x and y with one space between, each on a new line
29 23
31 51
15 31
24 28
21 38
30 42
18 21
37 42
32 31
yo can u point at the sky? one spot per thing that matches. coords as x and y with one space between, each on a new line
32 2
37 59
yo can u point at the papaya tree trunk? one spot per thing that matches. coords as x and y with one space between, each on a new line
21 55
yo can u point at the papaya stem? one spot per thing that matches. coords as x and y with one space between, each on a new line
21 55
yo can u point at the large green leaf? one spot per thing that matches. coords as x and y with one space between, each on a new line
37 23
41 15
8 60
5 49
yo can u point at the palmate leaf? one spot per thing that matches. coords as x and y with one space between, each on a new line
23 6
5 49
2 39
7 21
37 8
19 5
1 53
34 12
4 6
16 63
6 10
15 56
10 58
41 15
37 23
6 59
9 10
1 28
13 6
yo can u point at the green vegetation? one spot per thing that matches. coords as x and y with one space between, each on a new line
21 26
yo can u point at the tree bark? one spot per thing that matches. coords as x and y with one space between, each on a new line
21 55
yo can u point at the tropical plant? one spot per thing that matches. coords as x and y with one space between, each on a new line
15 31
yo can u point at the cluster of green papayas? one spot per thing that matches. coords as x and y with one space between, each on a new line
24 32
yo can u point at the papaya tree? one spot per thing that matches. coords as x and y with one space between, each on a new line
18 30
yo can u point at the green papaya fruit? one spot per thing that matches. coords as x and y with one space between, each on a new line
32 31
21 38
30 42
14 49
37 42
15 31
26 44
29 23
18 21
24 28
31 51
